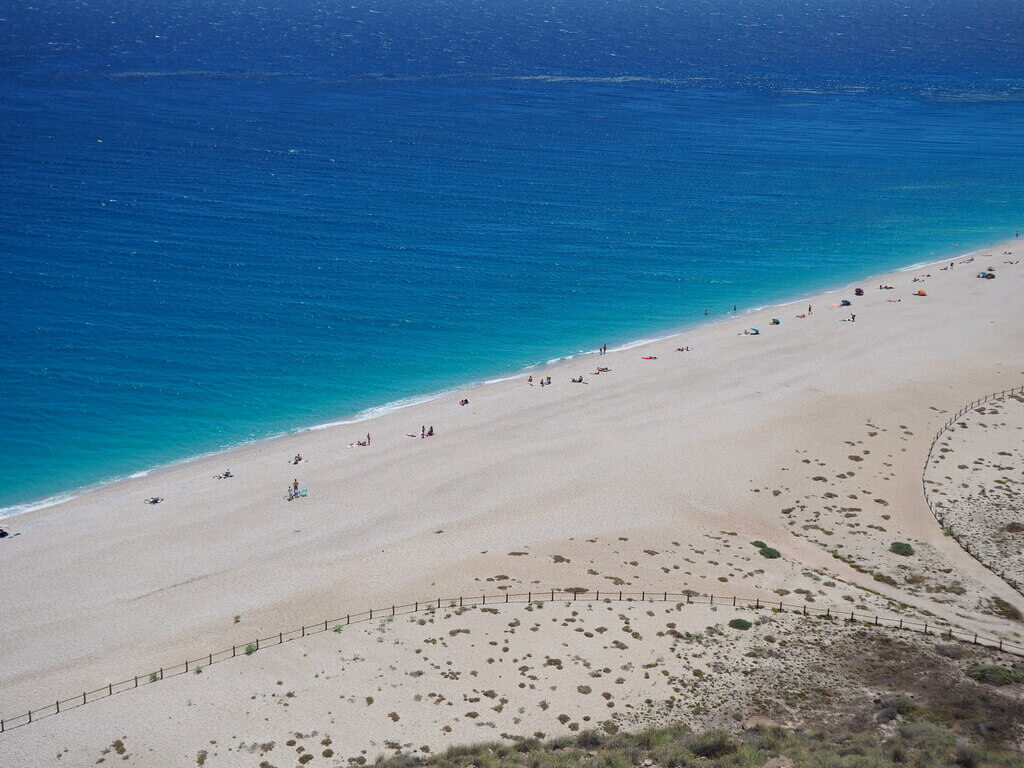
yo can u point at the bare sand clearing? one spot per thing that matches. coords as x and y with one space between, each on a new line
656 474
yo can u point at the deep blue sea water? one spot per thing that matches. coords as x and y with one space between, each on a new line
222 221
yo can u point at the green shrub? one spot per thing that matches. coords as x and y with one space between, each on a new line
250 649
759 544
711 744
770 553
901 548
740 624
589 739
992 674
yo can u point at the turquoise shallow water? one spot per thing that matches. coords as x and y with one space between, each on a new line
200 258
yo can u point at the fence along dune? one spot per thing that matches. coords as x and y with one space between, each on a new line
928 497
525 598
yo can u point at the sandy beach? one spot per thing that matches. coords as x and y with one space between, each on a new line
656 474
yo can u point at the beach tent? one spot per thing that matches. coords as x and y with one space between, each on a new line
921 293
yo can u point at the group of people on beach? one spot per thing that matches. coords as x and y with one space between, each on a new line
294 492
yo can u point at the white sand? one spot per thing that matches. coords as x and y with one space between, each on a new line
682 448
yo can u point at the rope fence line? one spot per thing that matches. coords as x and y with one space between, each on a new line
553 595
927 496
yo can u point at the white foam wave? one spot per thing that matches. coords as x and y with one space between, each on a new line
20 509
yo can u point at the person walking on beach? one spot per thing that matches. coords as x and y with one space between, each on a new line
809 309
367 438
295 486
853 318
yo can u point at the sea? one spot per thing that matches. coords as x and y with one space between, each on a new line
223 221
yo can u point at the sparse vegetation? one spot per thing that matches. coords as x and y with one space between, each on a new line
915 743
1005 609
250 649
740 624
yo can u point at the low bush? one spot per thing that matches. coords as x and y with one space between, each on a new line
250 649
901 548
740 624
759 544
711 744
770 553
991 674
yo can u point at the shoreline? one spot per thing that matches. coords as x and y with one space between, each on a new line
762 438
384 409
